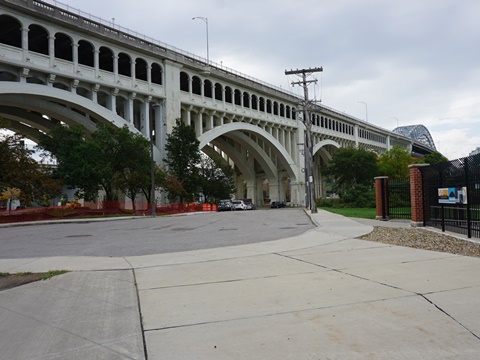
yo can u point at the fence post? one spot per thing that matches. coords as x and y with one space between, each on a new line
416 194
381 198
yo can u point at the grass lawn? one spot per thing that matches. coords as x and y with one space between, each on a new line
365 213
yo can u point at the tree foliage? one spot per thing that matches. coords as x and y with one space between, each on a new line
433 158
350 167
394 163
183 158
19 171
111 159
352 171
216 180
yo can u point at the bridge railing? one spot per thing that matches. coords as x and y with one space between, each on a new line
135 34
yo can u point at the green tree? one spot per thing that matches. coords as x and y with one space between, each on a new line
19 170
183 158
433 158
111 159
350 167
132 163
216 179
394 162
352 171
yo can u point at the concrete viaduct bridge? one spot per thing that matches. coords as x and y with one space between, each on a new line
61 65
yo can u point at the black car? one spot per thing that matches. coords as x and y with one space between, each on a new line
225 205
278 204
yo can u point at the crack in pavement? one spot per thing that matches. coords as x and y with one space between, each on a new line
397 288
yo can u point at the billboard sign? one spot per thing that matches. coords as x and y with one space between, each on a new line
452 195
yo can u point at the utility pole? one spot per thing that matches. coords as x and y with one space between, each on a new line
307 120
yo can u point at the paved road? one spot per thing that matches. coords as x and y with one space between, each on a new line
143 236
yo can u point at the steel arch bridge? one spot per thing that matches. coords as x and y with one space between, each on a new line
64 66
418 133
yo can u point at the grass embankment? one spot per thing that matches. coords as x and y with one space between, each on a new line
365 213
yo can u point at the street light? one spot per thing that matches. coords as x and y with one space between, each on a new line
366 109
206 25
393 117
152 175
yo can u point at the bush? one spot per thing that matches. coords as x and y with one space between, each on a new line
359 196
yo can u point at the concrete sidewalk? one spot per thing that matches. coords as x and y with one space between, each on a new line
320 295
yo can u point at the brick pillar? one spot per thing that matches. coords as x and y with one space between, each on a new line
381 197
416 194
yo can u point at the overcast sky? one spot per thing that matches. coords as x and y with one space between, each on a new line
412 62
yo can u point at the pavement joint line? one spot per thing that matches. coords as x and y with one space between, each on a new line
278 313
227 281
435 259
94 343
449 315
27 263
140 314
87 296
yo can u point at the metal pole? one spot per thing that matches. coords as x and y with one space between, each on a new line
206 25
308 126
152 176
366 109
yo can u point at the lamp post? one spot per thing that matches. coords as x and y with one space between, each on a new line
206 25
366 109
152 175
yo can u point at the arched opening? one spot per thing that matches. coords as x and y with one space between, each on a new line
196 85
156 74
184 82
11 31
7 76
105 59
269 106
254 102
61 86
124 64
207 88
63 47
246 100
218 92
228 94
85 53
275 108
84 92
38 39
287 112
238 97
261 104
103 99
140 69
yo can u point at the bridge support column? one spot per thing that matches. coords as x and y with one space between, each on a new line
298 192
251 193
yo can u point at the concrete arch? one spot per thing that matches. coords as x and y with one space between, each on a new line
240 127
318 147
235 156
37 97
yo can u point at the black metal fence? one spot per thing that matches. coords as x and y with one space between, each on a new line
398 198
451 196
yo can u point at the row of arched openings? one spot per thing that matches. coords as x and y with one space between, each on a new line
38 42
234 96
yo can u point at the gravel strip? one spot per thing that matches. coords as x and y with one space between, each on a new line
423 239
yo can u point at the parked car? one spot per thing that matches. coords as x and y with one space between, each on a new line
225 205
239 205
278 204
249 205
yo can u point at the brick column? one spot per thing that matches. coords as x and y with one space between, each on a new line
381 197
416 194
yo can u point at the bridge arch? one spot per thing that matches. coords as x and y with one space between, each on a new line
57 103
240 127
